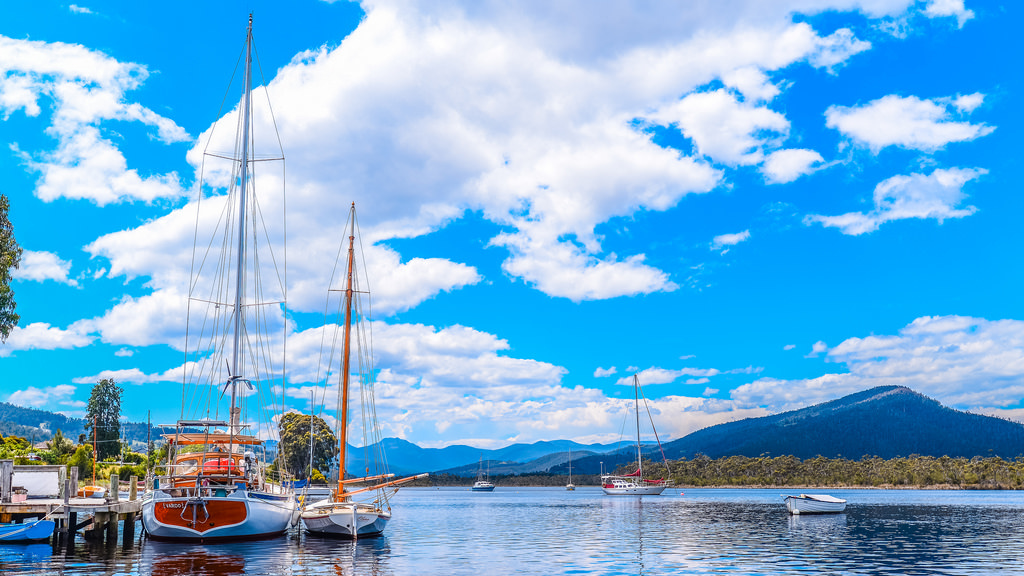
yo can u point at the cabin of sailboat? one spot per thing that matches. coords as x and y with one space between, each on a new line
635 484
359 506
216 484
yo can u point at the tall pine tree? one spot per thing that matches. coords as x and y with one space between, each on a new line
104 412
10 258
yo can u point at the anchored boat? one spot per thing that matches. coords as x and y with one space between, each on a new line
635 484
814 504
359 507
216 485
27 532
483 479
570 485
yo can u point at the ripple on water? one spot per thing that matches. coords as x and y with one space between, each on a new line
552 531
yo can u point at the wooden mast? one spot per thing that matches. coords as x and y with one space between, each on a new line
343 425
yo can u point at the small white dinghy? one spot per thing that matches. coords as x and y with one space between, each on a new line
814 504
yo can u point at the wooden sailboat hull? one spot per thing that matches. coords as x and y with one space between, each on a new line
239 515
345 520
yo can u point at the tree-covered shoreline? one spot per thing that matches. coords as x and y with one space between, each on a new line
921 472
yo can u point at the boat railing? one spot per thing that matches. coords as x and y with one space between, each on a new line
199 491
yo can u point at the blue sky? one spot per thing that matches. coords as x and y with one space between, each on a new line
758 206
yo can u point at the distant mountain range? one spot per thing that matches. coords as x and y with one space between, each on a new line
887 422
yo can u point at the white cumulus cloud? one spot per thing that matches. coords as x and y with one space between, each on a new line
909 122
88 89
784 166
42 336
40 266
961 361
936 196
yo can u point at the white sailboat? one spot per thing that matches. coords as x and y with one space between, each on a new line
342 514
570 485
483 481
216 485
634 484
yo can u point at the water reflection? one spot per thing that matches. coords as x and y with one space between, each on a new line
349 557
27 553
817 525
533 531
199 562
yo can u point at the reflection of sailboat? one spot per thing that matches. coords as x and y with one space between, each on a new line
216 486
570 485
197 562
340 515
483 482
635 484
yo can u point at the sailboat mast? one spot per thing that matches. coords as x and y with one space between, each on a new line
346 361
240 265
636 404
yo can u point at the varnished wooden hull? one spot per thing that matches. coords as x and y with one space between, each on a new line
238 515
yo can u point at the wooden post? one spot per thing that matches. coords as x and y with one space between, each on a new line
128 534
62 531
115 486
74 481
95 532
6 473
133 488
112 528
69 538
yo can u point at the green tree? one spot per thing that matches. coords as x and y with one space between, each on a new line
60 446
10 259
82 458
104 412
293 451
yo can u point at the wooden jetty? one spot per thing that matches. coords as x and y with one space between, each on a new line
100 517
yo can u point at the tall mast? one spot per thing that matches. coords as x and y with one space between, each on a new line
636 404
242 190
345 362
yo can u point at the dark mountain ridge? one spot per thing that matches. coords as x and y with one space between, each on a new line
887 421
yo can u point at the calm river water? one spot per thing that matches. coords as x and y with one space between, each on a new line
552 531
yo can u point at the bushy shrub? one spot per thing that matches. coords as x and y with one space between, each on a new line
127 471
82 458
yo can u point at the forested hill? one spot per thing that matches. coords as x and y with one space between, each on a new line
888 421
35 424
38 425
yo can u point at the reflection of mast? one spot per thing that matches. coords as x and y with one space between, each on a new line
345 365
640 536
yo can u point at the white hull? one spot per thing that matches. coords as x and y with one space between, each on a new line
629 486
814 504
483 486
237 515
634 491
346 520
